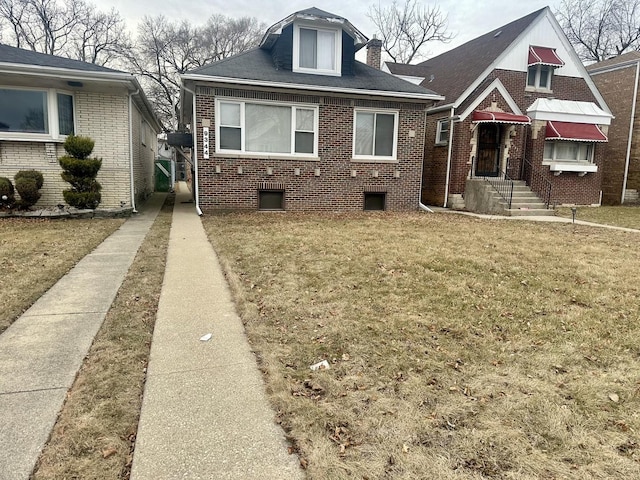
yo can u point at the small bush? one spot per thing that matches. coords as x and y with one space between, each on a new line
78 146
28 190
6 190
34 174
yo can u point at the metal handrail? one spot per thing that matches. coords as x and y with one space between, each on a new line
503 183
536 181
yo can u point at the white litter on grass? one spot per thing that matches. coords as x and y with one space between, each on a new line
323 365
206 338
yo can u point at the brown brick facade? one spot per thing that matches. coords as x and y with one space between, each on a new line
325 184
617 88
518 144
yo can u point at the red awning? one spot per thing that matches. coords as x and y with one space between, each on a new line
482 116
577 132
544 56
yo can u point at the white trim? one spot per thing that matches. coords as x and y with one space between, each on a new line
495 85
291 105
537 87
449 154
53 122
629 141
568 166
319 88
337 35
373 157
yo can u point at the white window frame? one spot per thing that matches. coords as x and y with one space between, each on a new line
292 106
52 116
547 160
373 157
337 71
440 131
537 85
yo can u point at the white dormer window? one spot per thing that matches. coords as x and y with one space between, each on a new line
317 50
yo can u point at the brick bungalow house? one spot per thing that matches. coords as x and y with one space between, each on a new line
299 124
617 80
518 104
43 98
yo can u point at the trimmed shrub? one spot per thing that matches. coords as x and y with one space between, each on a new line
28 185
78 146
80 172
6 190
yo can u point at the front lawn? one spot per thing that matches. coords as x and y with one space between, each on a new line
620 216
459 347
35 253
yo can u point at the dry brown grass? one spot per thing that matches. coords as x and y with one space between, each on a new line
621 216
34 254
94 434
459 348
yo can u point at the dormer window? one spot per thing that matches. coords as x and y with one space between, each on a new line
317 50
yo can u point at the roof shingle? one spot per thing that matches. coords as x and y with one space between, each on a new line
15 55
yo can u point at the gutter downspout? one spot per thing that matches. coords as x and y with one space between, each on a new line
631 122
194 132
448 176
132 182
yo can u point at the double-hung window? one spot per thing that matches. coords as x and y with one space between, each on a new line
539 76
375 135
267 128
442 132
561 151
317 50
35 113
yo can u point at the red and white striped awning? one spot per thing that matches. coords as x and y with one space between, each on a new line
483 116
576 132
544 56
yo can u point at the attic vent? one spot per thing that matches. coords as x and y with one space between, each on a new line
432 78
497 34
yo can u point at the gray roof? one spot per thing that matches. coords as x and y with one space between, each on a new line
257 65
28 57
452 72
626 58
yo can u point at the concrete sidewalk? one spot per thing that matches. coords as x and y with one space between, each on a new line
41 352
204 414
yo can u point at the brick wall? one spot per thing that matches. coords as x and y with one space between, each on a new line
144 155
567 188
617 89
334 189
104 118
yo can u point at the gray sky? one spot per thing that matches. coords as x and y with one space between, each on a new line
467 18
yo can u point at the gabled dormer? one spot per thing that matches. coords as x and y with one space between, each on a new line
314 42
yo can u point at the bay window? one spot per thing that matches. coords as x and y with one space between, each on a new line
560 151
35 113
375 135
266 128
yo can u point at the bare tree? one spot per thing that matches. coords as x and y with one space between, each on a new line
70 28
601 29
406 28
164 50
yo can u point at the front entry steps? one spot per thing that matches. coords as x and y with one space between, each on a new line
482 197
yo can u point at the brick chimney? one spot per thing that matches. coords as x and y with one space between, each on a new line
374 53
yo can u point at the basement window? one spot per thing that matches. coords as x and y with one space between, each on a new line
374 201
271 200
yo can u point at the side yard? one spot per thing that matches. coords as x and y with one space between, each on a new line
621 216
35 253
459 347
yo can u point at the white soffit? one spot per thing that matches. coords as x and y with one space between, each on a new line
568 111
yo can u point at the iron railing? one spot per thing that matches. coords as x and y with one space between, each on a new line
536 181
501 183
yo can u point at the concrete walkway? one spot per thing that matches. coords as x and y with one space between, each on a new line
204 414
41 352
533 218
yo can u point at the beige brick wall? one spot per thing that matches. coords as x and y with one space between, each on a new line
105 118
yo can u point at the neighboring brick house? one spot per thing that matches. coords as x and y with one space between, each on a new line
298 124
518 101
617 80
43 98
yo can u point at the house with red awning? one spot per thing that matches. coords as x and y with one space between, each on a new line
522 126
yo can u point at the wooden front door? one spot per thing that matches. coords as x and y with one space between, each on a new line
488 151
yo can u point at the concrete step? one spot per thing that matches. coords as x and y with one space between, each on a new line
536 205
